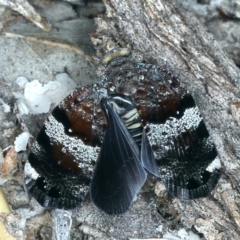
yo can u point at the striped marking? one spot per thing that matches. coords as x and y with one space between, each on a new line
129 115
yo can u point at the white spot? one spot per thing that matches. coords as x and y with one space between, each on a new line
216 164
6 107
159 228
30 172
170 236
22 81
38 98
187 235
112 89
21 141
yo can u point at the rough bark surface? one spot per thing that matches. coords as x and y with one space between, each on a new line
157 31
164 31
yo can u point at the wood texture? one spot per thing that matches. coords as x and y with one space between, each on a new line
159 31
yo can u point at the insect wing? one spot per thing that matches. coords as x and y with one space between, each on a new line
147 156
61 161
185 153
173 125
118 174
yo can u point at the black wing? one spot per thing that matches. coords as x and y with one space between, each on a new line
52 185
147 156
118 174
183 166
61 160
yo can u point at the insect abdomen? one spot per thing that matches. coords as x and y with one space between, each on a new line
132 121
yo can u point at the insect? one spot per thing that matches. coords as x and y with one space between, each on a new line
119 173
106 137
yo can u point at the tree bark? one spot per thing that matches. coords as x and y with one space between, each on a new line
159 31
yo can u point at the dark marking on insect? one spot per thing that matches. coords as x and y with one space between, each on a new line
119 172
138 119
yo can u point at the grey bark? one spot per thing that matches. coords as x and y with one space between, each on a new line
157 32
160 31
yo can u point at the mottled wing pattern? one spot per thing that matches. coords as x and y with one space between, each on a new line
184 154
118 173
61 160
64 154
174 126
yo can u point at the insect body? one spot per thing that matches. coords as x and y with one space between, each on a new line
119 172
145 123
127 111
